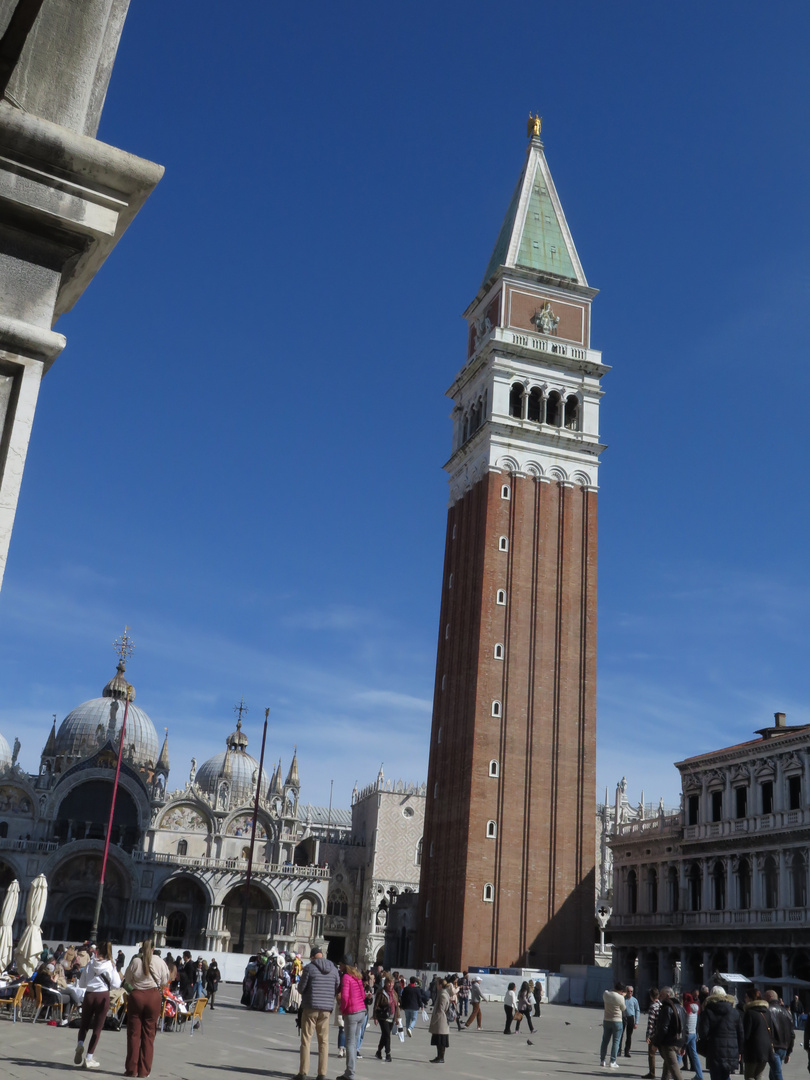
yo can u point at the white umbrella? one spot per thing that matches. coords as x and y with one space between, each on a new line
30 946
7 916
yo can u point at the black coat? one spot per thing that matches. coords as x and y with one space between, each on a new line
720 1027
784 1034
187 977
670 1025
757 1031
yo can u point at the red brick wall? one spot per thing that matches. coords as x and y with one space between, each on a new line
541 863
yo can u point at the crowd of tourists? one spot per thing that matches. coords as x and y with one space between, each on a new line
754 1036
104 991
355 1001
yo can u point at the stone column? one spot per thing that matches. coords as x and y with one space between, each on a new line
731 963
707 967
757 964
779 787
706 899
785 899
756 881
664 968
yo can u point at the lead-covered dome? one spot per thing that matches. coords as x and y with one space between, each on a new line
95 722
236 766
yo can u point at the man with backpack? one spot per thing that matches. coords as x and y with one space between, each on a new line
670 1033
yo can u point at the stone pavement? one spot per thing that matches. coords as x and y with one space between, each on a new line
252 1044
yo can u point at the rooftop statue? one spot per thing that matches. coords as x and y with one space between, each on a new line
533 124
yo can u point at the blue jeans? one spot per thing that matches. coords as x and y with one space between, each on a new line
363 1022
692 1055
351 1026
410 1019
611 1029
776 1060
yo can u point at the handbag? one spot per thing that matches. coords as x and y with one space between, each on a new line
451 1014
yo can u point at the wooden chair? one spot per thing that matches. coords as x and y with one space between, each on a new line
49 1004
195 1016
14 1004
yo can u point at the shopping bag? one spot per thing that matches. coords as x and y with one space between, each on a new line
425 1017
401 1033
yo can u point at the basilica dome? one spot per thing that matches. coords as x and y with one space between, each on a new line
236 766
5 753
95 722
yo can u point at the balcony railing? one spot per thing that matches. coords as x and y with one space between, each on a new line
663 823
748 917
777 819
204 862
27 845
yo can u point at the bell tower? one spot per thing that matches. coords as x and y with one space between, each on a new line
508 855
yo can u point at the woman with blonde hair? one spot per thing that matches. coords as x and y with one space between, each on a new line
144 980
98 977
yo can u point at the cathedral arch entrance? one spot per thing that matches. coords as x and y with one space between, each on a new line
84 814
263 921
184 905
72 891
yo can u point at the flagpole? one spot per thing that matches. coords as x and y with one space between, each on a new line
125 648
240 945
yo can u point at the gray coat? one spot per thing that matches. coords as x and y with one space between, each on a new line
319 985
438 1021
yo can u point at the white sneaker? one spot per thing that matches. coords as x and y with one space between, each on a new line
614 1064
91 1063
603 1064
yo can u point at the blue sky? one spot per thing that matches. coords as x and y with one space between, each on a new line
239 452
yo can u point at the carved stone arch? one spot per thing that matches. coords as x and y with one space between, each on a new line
78 775
183 874
225 886
582 478
534 468
264 821
126 866
173 813
13 778
509 464
690 782
556 473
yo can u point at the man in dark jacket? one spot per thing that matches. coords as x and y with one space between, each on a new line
783 1034
757 1036
186 975
318 986
720 1034
670 1033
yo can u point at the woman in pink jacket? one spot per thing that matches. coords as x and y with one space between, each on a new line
352 1009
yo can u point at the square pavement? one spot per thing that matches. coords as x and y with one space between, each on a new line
235 1040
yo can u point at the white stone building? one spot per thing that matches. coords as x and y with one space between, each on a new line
722 884
178 859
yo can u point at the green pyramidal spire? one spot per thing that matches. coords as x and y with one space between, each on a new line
535 235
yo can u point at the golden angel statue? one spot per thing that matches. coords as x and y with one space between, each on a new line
533 124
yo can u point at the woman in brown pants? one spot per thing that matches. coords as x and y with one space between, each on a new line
98 978
144 979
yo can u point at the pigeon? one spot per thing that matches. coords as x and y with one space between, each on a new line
529 1041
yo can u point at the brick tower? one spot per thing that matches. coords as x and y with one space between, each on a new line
508 855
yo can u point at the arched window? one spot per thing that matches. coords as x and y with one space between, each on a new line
488 893
572 413
798 880
632 892
503 544
553 409
450 582
770 882
499 651
418 859
493 768
744 885
505 493
719 886
492 830
337 904
693 879
496 708
535 405
182 847
500 597
673 889
439 733
652 890
516 401
245 852
436 790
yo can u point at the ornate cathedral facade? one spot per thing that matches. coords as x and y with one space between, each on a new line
178 859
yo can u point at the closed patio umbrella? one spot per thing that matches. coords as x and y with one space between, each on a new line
30 946
7 915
